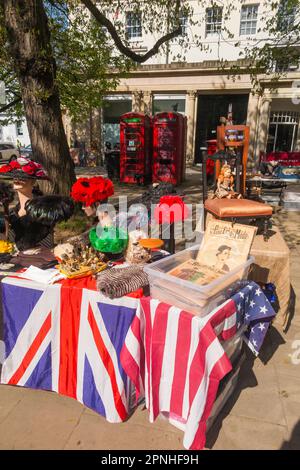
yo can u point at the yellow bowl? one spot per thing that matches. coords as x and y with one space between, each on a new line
6 247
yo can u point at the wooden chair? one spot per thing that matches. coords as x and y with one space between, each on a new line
234 210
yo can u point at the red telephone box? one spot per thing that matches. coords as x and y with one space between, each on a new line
212 148
135 148
169 147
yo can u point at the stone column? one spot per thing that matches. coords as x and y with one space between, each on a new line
147 101
263 127
252 122
137 102
191 113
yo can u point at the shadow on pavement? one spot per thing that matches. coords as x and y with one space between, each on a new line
246 379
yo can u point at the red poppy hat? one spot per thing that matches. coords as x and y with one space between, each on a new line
23 168
170 209
91 190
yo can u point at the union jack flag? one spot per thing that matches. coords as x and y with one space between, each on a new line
67 340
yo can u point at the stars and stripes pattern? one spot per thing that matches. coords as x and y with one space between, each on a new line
177 359
81 344
67 340
255 311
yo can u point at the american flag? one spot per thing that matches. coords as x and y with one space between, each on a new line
254 310
177 360
68 340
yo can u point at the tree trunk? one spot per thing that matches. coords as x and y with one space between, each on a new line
29 42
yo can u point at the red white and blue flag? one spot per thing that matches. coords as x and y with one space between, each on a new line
177 360
67 340
81 344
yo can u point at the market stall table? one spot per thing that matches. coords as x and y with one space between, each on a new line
67 337
70 339
272 264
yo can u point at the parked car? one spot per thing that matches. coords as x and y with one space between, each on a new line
26 152
8 151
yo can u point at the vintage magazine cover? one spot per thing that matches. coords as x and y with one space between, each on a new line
224 248
193 271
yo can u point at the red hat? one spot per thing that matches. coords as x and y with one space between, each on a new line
91 190
170 209
23 168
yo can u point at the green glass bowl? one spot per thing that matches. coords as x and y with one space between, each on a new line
112 240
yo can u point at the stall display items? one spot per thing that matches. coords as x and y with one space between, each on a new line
169 148
235 141
234 209
93 194
93 190
23 231
224 248
225 185
6 197
135 252
50 209
120 281
40 257
135 148
83 261
110 240
196 279
6 247
170 210
152 243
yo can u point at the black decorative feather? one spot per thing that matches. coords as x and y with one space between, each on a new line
49 210
6 193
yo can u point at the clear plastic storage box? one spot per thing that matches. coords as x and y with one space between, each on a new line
187 295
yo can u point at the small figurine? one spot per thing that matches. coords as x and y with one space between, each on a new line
135 253
225 187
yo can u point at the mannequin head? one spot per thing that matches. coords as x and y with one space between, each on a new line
24 187
90 211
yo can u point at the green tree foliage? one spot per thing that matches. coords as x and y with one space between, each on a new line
278 48
83 55
91 56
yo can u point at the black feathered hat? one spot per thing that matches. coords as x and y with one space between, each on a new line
49 210
6 193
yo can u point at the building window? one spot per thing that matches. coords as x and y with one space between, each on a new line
249 15
19 129
184 25
283 131
133 25
169 103
113 108
213 20
286 16
287 63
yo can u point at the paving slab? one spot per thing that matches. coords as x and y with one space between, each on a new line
94 432
9 399
40 420
241 433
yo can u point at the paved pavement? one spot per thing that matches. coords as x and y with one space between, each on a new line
263 413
